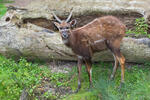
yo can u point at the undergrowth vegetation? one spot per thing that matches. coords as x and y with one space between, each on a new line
137 84
17 76
141 27
14 77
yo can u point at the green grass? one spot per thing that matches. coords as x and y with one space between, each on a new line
20 75
137 84
14 77
3 9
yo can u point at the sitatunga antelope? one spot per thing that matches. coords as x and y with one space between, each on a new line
100 34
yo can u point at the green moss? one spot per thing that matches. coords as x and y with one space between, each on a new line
3 10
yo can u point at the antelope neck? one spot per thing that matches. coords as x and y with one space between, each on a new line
65 41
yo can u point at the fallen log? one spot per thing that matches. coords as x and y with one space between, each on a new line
29 32
34 42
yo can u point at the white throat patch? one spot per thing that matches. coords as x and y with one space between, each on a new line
65 41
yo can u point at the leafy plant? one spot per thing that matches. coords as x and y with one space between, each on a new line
14 77
60 79
141 27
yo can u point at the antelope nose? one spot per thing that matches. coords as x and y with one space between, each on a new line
65 35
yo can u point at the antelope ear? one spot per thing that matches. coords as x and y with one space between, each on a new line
73 23
56 24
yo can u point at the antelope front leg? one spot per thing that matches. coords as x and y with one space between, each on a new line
79 73
89 70
115 68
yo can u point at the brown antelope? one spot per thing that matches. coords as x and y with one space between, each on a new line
100 34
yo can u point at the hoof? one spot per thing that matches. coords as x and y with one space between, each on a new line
111 77
89 88
122 85
91 85
76 91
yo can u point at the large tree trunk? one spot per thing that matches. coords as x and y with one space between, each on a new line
30 33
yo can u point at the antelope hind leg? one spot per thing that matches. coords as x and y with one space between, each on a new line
88 64
121 60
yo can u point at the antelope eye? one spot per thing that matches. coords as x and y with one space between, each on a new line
67 27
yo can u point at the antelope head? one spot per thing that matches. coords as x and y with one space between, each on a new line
64 26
